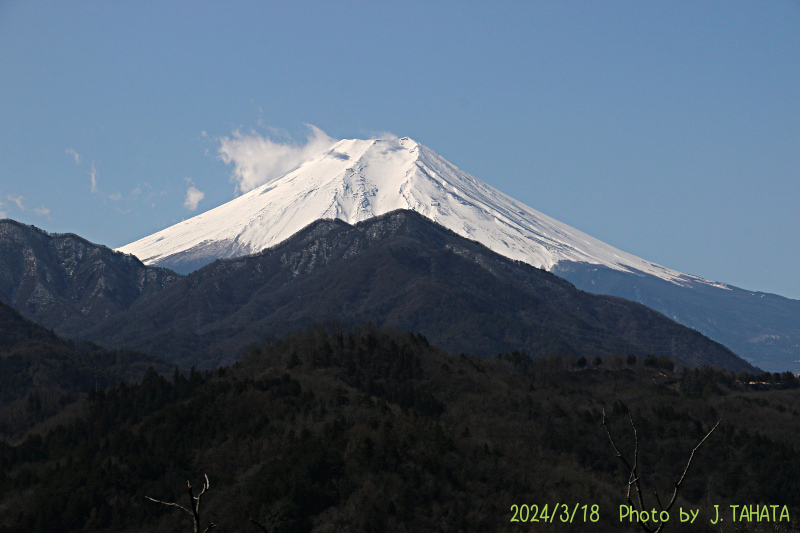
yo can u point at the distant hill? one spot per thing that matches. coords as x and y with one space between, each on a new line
400 270
40 372
68 283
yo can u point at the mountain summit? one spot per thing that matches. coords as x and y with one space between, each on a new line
356 180
359 179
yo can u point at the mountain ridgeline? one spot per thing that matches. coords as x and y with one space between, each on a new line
67 283
400 270
763 327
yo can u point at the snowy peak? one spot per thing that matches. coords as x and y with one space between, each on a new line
359 179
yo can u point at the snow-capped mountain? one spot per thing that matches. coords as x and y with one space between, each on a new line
356 180
359 179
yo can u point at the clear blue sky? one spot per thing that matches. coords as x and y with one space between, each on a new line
668 129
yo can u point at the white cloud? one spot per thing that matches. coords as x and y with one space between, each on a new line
386 135
93 175
74 154
17 200
258 160
193 196
42 211
115 197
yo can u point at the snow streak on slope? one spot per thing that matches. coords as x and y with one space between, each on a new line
359 179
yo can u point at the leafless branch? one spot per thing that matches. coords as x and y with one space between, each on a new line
633 478
658 500
182 508
688 464
195 502
259 526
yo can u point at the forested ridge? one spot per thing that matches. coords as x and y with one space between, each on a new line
368 429
41 373
399 270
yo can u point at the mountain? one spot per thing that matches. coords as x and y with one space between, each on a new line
400 270
764 328
359 179
356 180
68 283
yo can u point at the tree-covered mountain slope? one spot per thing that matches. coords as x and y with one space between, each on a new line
400 270
367 429
40 372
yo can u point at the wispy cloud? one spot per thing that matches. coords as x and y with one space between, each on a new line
386 135
93 175
145 193
193 195
258 159
75 155
3 214
19 201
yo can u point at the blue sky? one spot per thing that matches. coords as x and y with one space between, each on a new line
670 130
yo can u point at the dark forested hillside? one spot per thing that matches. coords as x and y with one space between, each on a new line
68 283
41 373
400 270
365 429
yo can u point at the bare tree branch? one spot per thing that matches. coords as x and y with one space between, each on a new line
619 454
688 464
633 478
182 508
635 459
259 526
195 501
658 500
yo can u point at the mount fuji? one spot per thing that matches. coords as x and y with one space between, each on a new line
359 179
356 180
